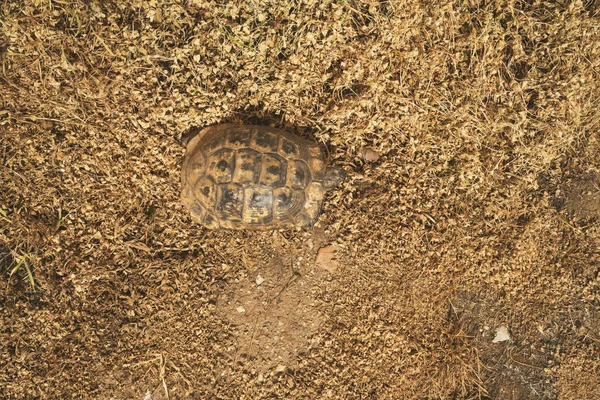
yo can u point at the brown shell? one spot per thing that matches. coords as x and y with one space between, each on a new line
252 177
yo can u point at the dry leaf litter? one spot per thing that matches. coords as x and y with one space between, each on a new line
480 211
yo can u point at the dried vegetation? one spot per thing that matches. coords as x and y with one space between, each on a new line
479 210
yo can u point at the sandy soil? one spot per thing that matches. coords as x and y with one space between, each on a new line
467 231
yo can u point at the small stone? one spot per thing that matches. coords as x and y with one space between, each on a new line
240 309
502 334
259 280
368 154
280 368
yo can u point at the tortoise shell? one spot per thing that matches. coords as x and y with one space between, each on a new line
252 177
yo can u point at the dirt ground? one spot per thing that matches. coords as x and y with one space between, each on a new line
467 232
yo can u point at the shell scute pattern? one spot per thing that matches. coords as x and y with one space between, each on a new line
265 141
230 203
252 177
273 170
238 138
248 163
220 166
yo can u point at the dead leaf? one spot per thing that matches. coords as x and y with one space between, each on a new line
327 258
140 246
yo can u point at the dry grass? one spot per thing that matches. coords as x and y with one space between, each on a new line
481 211
580 378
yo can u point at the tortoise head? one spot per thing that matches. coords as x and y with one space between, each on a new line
333 177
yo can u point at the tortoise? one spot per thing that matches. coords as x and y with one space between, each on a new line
253 177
